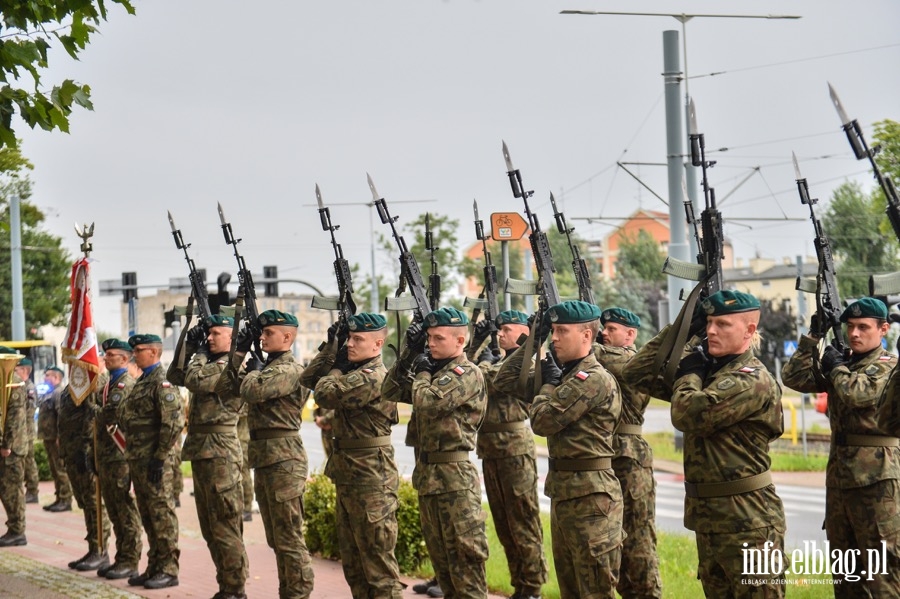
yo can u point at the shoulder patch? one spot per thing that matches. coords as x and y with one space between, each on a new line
726 384
221 361
115 397
367 370
582 375
563 392
120 385
747 369
166 384
353 377
444 380
169 397
871 370
885 358
458 370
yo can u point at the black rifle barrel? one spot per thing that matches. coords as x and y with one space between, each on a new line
198 285
579 265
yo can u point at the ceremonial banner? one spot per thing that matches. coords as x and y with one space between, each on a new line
80 347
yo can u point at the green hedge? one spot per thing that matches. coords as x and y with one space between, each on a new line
43 465
321 531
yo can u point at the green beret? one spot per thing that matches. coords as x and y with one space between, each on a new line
7 350
729 302
621 316
277 318
56 369
113 343
572 312
366 321
512 317
220 320
26 362
866 307
446 317
143 339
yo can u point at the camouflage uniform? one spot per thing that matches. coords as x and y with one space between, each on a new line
449 407
152 418
861 478
327 417
12 470
633 465
280 467
76 443
728 420
31 470
48 432
363 469
115 478
214 450
506 448
578 418
243 433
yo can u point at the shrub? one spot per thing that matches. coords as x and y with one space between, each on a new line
43 464
321 531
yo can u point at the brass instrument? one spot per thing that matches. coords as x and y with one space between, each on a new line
8 364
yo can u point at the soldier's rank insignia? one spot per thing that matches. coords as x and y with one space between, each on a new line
581 375
872 370
725 384
444 380
458 370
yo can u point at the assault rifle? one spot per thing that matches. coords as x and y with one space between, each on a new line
434 279
487 300
343 303
878 284
245 284
198 285
410 275
545 289
825 284
579 266
708 270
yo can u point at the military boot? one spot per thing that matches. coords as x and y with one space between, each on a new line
422 587
13 540
93 561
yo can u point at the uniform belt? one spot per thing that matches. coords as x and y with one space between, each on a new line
273 433
730 487
143 428
849 439
367 443
442 457
558 465
502 427
211 428
629 429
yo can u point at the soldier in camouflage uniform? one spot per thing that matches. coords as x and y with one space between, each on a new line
729 408
23 369
577 408
324 419
506 448
632 462
277 455
152 418
13 448
863 469
214 450
109 456
48 432
449 398
76 448
243 432
347 381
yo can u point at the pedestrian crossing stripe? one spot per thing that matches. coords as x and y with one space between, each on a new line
581 375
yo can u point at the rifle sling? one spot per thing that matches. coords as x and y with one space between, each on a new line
666 363
526 358
179 349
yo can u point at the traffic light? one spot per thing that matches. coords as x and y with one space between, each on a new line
129 286
270 273
221 297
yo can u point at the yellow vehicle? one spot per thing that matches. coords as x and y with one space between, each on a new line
42 353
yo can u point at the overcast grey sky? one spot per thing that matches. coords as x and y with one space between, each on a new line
252 104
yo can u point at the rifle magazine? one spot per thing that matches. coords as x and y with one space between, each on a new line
324 303
885 284
684 270
522 287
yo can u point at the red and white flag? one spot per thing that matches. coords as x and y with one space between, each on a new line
80 347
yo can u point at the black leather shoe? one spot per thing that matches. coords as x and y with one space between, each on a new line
31 497
137 580
60 506
435 591
13 540
93 561
422 587
50 505
74 563
118 572
102 570
161 581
